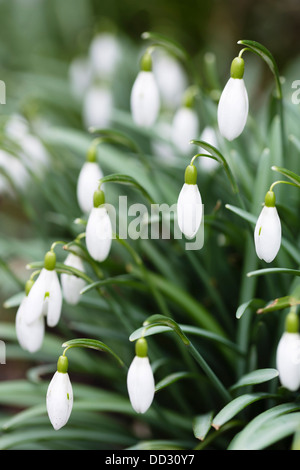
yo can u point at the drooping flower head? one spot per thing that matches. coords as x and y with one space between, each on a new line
185 125
88 181
59 399
30 336
140 380
288 354
267 234
99 229
189 204
71 284
233 105
45 296
145 99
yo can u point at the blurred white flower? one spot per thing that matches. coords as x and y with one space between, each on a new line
288 360
145 100
87 183
185 127
80 76
13 174
189 210
30 336
72 285
171 79
99 233
59 399
44 298
267 234
140 384
104 55
97 107
208 135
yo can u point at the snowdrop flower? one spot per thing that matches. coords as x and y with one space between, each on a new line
31 336
72 285
233 105
145 99
185 127
98 233
288 354
79 76
267 233
208 135
189 204
97 107
15 175
87 183
140 380
59 397
104 55
45 296
170 77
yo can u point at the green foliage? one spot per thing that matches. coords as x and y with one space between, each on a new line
212 317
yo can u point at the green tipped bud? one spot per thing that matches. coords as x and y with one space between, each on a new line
270 199
98 198
292 322
146 62
50 260
91 155
237 68
190 176
62 364
141 348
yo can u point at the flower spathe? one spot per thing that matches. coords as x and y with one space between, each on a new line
71 284
140 380
59 399
45 296
98 235
233 105
267 233
145 98
189 205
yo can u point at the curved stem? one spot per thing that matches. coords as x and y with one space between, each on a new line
283 182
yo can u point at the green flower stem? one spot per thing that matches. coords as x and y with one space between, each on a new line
90 344
282 182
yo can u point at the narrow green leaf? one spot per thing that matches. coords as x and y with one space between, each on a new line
261 272
289 174
256 377
202 424
280 304
216 154
235 406
252 304
172 378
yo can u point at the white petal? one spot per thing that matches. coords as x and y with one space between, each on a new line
208 135
140 384
189 210
72 285
145 100
267 234
164 67
36 296
30 336
88 182
59 399
233 108
104 55
98 233
97 107
185 127
288 360
54 299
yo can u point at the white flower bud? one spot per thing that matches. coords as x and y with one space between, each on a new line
72 285
45 296
59 399
233 108
97 107
140 384
88 182
288 360
145 100
185 127
31 336
208 135
99 233
267 234
189 210
104 54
